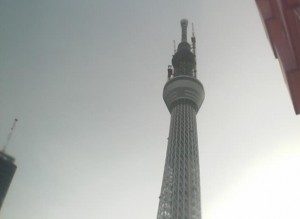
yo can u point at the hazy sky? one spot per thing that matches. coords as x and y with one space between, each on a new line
85 79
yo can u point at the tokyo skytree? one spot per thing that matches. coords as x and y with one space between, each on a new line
183 94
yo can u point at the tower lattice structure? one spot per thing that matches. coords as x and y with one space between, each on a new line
183 95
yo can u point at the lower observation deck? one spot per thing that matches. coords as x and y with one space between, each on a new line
183 89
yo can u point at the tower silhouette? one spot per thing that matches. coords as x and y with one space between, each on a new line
183 94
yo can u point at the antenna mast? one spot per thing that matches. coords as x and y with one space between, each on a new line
9 135
174 45
194 48
184 24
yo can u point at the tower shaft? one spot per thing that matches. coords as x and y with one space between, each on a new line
180 193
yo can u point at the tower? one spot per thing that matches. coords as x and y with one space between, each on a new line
183 94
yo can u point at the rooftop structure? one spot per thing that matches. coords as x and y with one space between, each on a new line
281 19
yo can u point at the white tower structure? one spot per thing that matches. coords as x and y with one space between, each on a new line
183 95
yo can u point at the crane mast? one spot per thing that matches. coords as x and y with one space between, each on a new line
10 134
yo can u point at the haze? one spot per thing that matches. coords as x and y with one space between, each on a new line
85 80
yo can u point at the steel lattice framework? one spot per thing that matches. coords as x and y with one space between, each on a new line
183 94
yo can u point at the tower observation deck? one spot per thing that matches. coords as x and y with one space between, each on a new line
183 95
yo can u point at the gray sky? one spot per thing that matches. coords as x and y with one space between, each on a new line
85 79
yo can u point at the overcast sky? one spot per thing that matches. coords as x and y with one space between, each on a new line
85 79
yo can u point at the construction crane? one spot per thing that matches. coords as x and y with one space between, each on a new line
9 135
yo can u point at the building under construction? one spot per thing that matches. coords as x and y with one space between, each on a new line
7 171
7 167
183 94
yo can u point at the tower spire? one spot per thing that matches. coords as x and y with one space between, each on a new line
184 25
183 60
193 38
